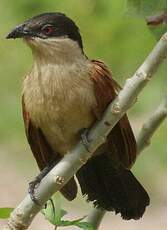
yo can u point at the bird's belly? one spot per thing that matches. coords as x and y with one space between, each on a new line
60 116
62 126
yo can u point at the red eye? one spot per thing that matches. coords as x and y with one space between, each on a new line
47 29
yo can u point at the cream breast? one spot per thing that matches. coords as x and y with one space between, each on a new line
59 99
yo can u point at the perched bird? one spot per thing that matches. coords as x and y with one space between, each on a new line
64 94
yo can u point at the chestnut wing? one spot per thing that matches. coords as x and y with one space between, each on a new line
121 139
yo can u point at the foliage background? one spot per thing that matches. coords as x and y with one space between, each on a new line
111 34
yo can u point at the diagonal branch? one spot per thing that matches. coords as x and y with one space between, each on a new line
22 216
143 140
151 125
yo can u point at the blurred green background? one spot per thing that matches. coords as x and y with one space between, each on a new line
110 34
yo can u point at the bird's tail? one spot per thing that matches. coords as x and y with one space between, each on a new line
113 189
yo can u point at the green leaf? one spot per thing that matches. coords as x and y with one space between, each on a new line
72 222
85 226
54 214
5 212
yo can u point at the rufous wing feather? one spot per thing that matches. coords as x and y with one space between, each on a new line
106 89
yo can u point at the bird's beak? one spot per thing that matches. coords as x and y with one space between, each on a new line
19 32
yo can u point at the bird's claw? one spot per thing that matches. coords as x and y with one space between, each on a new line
33 185
84 139
31 190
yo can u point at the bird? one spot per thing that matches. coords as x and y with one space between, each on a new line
63 96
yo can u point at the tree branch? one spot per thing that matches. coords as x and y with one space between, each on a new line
95 217
151 125
143 140
22 216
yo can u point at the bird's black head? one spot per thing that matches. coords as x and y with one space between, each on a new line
48 25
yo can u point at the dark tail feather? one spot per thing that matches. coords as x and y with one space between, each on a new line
113 189
69 191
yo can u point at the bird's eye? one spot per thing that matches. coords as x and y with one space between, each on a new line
47 29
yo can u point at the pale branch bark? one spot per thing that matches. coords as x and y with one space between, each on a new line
151 125
143 140
22 216
95 217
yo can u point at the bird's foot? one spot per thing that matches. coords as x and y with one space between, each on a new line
84 138
31 190
33 185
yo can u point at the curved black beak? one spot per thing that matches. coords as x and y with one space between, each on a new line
19 32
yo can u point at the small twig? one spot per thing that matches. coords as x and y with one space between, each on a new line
151 125
23 215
